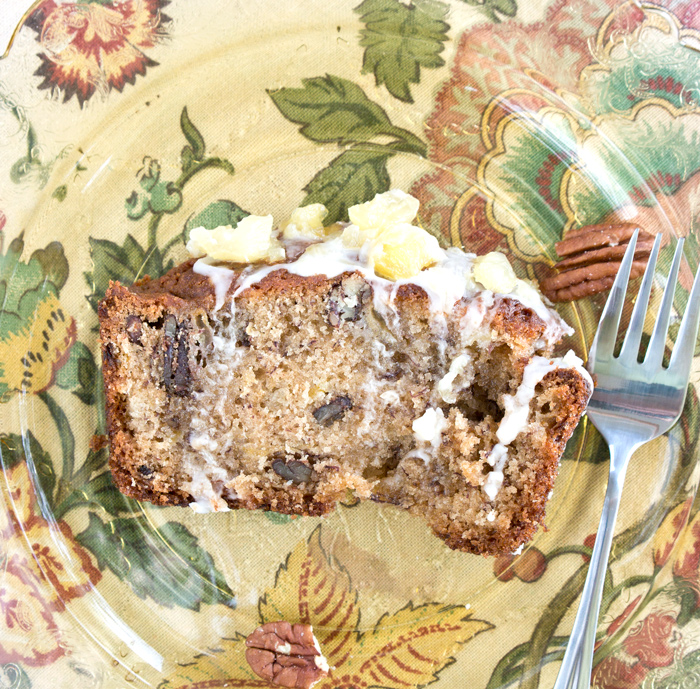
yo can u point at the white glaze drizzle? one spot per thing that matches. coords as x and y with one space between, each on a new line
445 386
219 276
497 459
445 283
429 427
206 498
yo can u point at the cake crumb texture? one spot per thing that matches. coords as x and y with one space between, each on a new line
301 391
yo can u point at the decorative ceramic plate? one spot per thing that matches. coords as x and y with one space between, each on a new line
125 123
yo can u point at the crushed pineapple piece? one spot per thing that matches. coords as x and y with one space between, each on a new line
402 251
382 212
495 273
354 238
306 222
250 241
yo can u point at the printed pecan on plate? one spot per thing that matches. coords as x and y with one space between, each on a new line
287 655
591 258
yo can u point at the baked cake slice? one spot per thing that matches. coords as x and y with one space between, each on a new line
288 369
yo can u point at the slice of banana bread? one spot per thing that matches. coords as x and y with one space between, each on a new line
285 387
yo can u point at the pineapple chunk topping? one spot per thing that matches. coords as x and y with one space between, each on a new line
306 222
252 240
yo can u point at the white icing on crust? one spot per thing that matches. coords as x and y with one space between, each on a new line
219 276
206 498
445 283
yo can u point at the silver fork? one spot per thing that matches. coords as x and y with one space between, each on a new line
632 404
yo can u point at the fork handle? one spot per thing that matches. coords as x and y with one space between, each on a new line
575 670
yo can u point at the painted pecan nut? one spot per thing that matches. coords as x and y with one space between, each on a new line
287 655
591 257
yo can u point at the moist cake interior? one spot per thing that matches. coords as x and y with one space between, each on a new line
307 391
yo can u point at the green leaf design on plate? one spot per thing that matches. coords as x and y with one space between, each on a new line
31 167
194 152
154 196
60 193
331 109
509 669
682 591
493 9
399 39
355 176
684 673
216 214
98 492
54 264
277 518
125 263
79 374
24 285
167 565
13 450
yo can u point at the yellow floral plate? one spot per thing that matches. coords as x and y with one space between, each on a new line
125 123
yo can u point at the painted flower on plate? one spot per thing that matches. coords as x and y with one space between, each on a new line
36 334
668 533
404 649
43 568
649 645
96 45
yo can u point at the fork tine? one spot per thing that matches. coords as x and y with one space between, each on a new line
604 340
633 337
657 344
682 355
